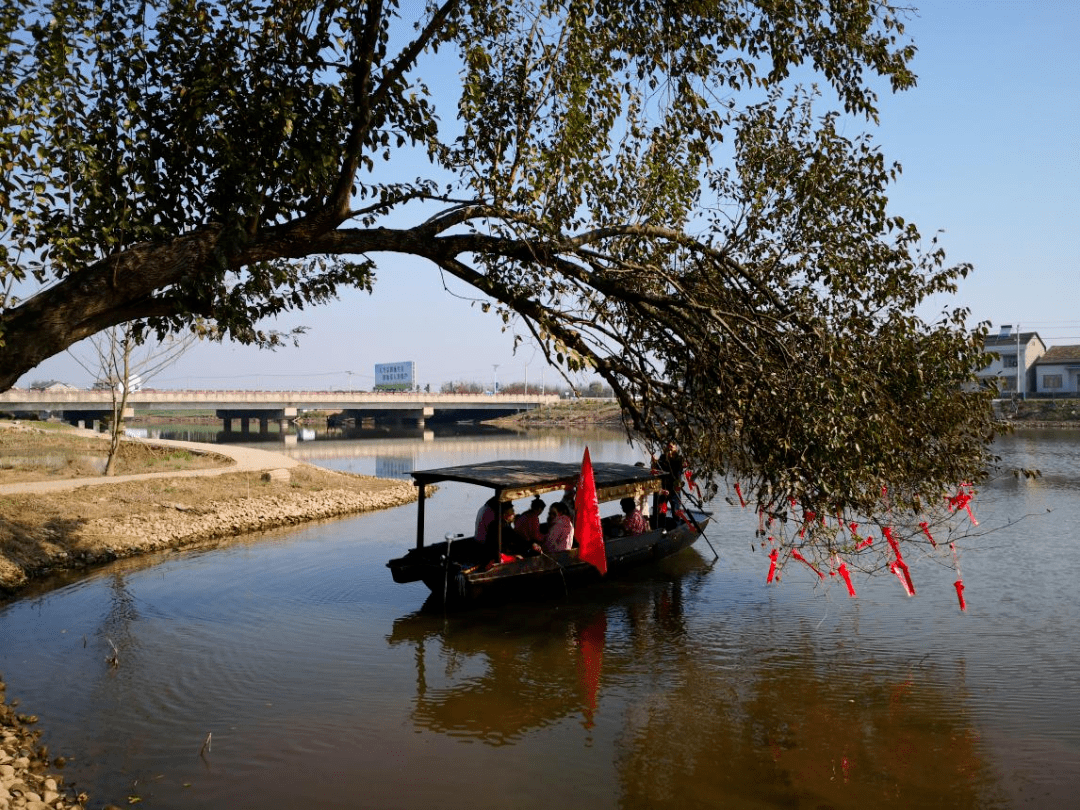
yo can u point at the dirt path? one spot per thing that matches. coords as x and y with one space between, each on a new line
245 459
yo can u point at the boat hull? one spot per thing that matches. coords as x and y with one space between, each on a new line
449 569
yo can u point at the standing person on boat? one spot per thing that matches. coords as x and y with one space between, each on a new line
670 467
634 522
528 523
568 498
560 533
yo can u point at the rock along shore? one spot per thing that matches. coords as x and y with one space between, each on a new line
51 526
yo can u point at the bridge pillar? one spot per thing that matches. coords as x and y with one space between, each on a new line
410 417
93 419
263 415
416 416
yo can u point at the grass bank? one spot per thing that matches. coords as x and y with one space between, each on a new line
80 526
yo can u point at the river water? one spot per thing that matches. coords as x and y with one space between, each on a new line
288 670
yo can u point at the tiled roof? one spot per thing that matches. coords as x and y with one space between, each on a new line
1010 340
1060 354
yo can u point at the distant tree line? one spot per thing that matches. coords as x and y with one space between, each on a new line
594 389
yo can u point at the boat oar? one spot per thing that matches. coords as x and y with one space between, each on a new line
450 537
562 573
697 525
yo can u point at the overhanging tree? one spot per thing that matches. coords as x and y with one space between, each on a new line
642 188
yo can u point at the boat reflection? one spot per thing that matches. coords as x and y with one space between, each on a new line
496 673
701 712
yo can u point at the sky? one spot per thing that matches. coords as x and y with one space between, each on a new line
989 141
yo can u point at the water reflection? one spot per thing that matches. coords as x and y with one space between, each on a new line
826 731
702 714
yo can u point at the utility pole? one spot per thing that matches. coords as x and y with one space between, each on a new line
1019 364
495 366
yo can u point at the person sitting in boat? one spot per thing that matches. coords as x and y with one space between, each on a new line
560 533
528 523
633 522
514 543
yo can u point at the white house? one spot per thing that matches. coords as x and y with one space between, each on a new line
1058 371
1014 366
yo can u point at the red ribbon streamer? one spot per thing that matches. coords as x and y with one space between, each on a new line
691 482
772 565
962 500
847 579
738 491
899 566
959 585
900 569
926 530
869 541
795 553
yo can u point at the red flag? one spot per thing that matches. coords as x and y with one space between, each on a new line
587 529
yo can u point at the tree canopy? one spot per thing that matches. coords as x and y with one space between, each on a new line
652 191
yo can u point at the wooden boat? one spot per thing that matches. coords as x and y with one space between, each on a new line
461 569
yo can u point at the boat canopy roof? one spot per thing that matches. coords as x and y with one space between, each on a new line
512 480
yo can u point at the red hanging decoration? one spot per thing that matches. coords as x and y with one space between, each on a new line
959 584
962 500
738 491
899 567
901 574
772 565
869 541
926 530
795 553
690 482
843 569
679 513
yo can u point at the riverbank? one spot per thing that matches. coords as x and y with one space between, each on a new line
204 493
1033 413
57 514
1040 413
568 413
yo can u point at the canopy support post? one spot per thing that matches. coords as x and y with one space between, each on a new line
420 517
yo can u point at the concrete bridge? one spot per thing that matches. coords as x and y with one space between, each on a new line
83 408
